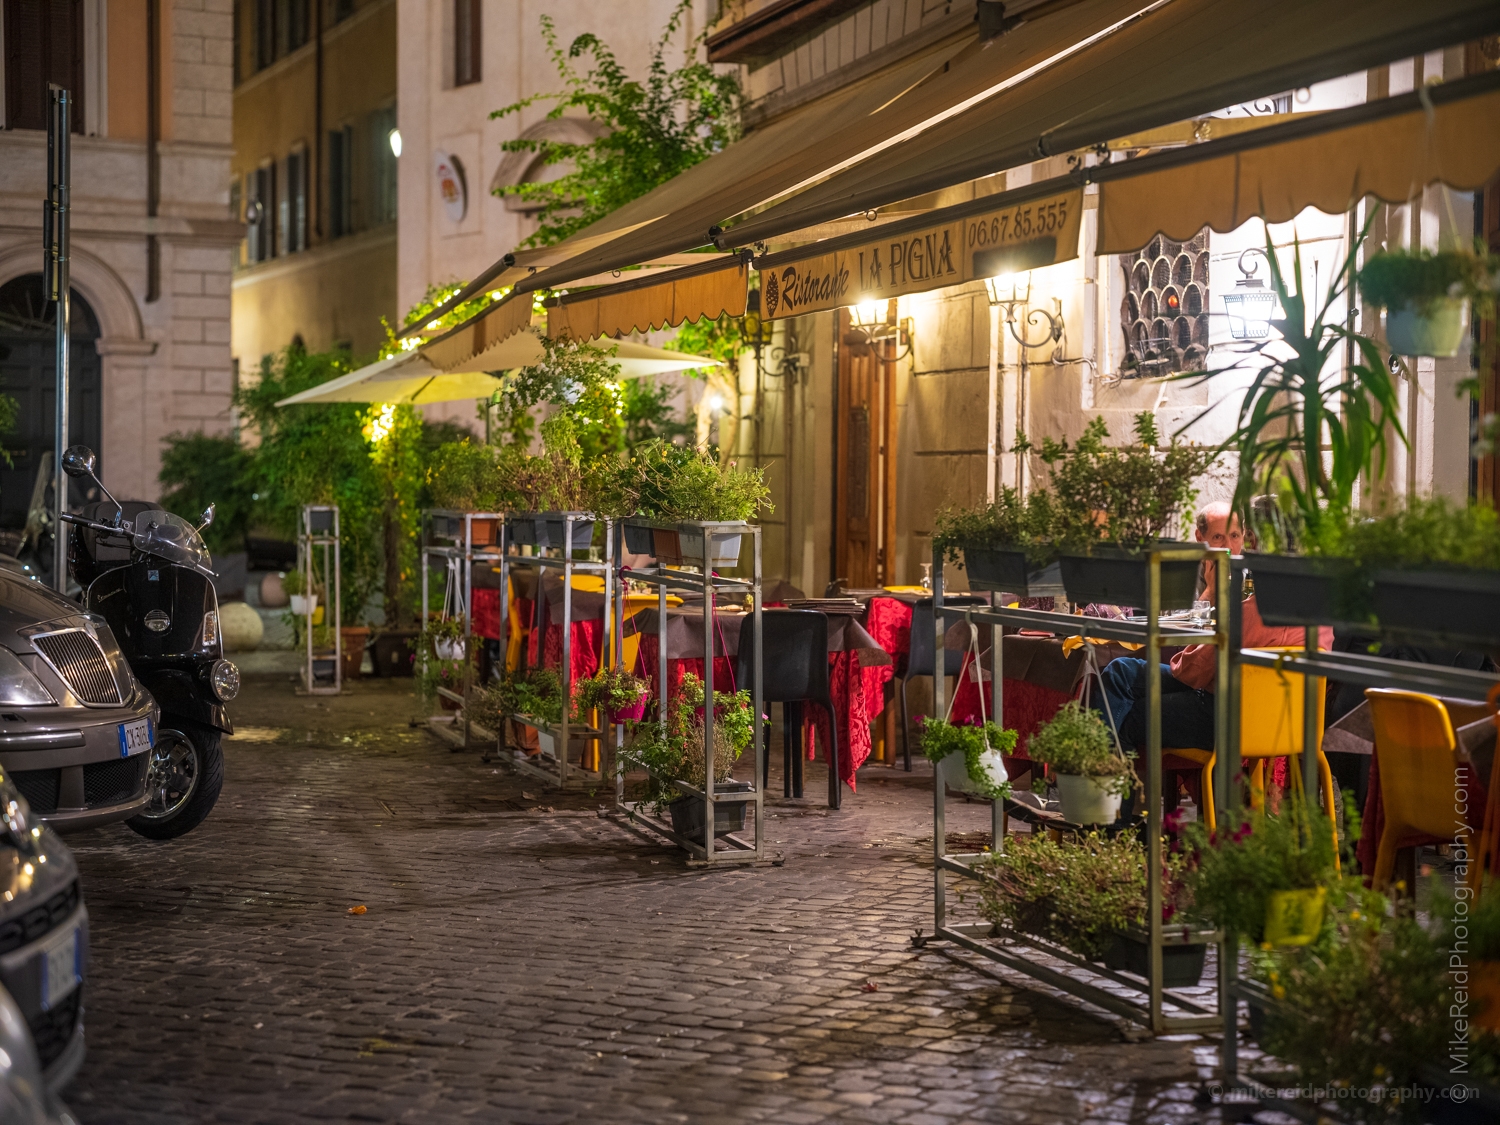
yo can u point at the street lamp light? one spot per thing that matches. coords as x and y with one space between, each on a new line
1251 306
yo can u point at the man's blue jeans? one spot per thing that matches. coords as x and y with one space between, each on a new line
1187 714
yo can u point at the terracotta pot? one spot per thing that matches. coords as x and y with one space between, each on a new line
272 594
354 638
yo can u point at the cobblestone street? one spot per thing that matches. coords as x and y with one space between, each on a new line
524 960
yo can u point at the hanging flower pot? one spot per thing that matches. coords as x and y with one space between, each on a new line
303 605
1088 800
631 714
1294 917
1434 328
449 648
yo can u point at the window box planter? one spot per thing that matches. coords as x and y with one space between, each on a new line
1296 590
997 568
1461 606
551 529
1113 576
521 529
1181 962
729 816
639 538
1435 330
682 544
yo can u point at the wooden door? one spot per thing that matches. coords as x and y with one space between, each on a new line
866 456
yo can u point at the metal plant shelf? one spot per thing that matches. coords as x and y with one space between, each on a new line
712 850
1156 1008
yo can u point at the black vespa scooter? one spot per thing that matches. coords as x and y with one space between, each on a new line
147 572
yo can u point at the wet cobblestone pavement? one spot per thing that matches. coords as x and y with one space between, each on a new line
524 960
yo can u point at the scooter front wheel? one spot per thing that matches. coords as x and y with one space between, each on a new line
183 780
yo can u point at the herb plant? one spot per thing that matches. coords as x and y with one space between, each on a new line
674 749
1077 742
1129 496
609 689
1011 522
1078 892
669 482
1393 278
940 738
1418 533
464 476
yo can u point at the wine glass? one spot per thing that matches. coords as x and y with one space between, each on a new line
926 576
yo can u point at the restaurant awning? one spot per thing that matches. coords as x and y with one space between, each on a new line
661 300
1183 58
482 340
1339 160
804 145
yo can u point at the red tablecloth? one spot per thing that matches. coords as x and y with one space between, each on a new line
588 635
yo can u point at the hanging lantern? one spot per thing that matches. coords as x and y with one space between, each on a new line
1251 306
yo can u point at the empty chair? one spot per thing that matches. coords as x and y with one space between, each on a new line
1417 754
794 671
920 659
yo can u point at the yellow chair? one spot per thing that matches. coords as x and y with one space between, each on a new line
1417 751
1271 708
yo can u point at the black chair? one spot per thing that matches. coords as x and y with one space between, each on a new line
920 660
794 672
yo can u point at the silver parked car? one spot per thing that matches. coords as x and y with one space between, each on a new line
44 938
76 727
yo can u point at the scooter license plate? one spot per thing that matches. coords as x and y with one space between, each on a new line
61 967
135 738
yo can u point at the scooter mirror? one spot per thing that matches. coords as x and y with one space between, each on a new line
208 516
79 461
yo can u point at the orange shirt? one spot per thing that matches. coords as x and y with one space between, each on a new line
1197 665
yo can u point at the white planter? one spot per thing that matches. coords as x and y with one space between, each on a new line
304 605
449 648
1436 332
954 770
1087 800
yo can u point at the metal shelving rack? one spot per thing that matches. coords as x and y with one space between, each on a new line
708 852
1018 951
555 768
1347 667
448 535
320 528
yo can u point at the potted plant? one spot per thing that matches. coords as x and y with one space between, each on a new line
303 604
1306 440
684 497
1092 775
1088 893
463 476
968 758
1113 504
445 636
675 750
1005 545
1268 879
1424 293
619 693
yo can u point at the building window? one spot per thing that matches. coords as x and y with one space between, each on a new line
340 182
260 187
466 33
295 14
265 33
43 44
342 9
382 167
1165 313
294 203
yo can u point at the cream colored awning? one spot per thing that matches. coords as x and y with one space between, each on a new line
480 339
1182 59
1393 157
719 285
803 146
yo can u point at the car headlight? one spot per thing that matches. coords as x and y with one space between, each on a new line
224 678
18 687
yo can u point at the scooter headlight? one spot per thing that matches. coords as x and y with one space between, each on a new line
224 678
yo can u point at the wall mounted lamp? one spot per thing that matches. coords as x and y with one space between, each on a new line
875 322
1251 306
1012 292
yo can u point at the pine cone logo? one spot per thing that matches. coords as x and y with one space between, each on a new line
772 293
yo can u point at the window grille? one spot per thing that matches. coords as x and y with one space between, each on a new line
1165 313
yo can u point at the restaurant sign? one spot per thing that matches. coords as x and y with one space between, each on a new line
1020 237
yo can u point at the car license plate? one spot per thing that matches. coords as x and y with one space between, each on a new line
135 737
61 971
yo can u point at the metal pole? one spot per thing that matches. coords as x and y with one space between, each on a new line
56 235
757 700
710 811
939 804
1153 790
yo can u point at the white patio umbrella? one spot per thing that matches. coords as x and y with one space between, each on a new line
412 378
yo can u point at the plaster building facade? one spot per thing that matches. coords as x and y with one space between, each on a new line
152 230
316 149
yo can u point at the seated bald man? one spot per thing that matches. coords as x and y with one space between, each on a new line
1187 683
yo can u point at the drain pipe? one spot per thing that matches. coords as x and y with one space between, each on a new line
153 140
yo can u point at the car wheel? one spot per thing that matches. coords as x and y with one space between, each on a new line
183 779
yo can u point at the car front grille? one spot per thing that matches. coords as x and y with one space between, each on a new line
53 1029
39 921
39 787
109 783
78 659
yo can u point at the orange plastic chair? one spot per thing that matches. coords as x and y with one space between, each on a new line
1417 751
1271 707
